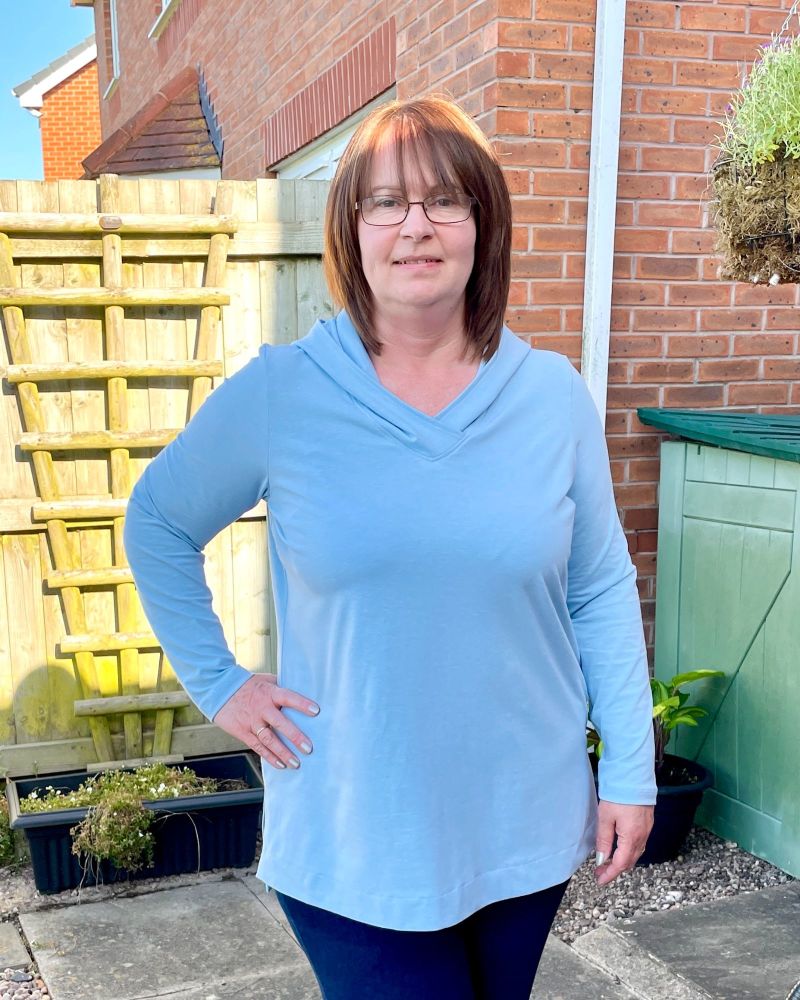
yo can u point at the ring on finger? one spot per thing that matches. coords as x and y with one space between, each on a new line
260 731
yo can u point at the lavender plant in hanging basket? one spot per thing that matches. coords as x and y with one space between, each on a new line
756 177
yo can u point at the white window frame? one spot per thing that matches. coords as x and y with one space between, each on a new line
168 8
112 83
319 159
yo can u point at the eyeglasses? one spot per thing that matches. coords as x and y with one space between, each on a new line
390 210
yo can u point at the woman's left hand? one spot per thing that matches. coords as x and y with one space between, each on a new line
632 825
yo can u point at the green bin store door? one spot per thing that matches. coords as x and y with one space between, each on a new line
728 597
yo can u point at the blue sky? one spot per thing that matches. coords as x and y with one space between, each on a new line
36 33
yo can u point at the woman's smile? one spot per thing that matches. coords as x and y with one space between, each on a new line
418 263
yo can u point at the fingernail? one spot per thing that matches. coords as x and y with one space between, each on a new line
305 747
314 709
293 762
279 763
599 858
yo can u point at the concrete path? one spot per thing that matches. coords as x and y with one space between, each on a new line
216 940
228 938
746 947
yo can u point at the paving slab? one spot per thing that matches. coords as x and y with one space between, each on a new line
270 903
617 952
194 942
746 947
292 985
226 938
13 953
564 975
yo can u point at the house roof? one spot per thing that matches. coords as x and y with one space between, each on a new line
31 93
170 132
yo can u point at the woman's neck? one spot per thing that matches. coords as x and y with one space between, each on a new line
421 342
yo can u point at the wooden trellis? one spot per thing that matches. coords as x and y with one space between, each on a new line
60 512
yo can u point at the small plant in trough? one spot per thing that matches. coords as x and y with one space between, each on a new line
149 822
117 827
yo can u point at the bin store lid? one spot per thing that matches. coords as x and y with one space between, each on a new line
760 434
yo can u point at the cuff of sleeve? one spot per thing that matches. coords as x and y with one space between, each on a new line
626 794
213 698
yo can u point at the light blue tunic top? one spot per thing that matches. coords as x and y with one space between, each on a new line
451 590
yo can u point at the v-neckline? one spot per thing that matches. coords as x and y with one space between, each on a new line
339 351
355 349
441 410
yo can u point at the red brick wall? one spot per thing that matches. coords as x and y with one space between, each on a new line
680 336
255 58
524 68
362 74
70 124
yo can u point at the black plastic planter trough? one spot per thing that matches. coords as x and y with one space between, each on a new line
193 832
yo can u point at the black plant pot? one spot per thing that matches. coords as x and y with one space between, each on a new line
681 784
193 832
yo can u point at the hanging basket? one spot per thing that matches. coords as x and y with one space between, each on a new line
756 178
757 215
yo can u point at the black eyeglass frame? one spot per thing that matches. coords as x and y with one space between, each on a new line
473 201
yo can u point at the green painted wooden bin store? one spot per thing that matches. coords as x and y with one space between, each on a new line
728 597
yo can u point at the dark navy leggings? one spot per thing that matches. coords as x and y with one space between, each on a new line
491 955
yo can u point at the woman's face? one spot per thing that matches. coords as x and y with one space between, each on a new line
416 265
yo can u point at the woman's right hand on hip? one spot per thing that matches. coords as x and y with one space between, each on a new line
253 715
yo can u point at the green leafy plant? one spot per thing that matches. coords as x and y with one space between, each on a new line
756 176
151 781
763 119
670 710
116 830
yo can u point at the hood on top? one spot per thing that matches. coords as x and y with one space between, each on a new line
335 346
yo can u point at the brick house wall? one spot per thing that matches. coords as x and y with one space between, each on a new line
69 124
680 336
279 74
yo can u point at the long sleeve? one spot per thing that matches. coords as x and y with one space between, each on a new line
603 604
214 471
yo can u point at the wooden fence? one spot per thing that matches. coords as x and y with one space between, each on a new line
124 301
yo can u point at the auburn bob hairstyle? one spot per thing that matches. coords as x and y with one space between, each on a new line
435 132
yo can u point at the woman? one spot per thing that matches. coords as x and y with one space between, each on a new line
451 586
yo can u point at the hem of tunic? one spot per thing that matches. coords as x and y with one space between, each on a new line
427 913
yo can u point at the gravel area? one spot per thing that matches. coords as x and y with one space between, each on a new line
15 985
708 869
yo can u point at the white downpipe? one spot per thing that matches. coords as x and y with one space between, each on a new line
603 164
